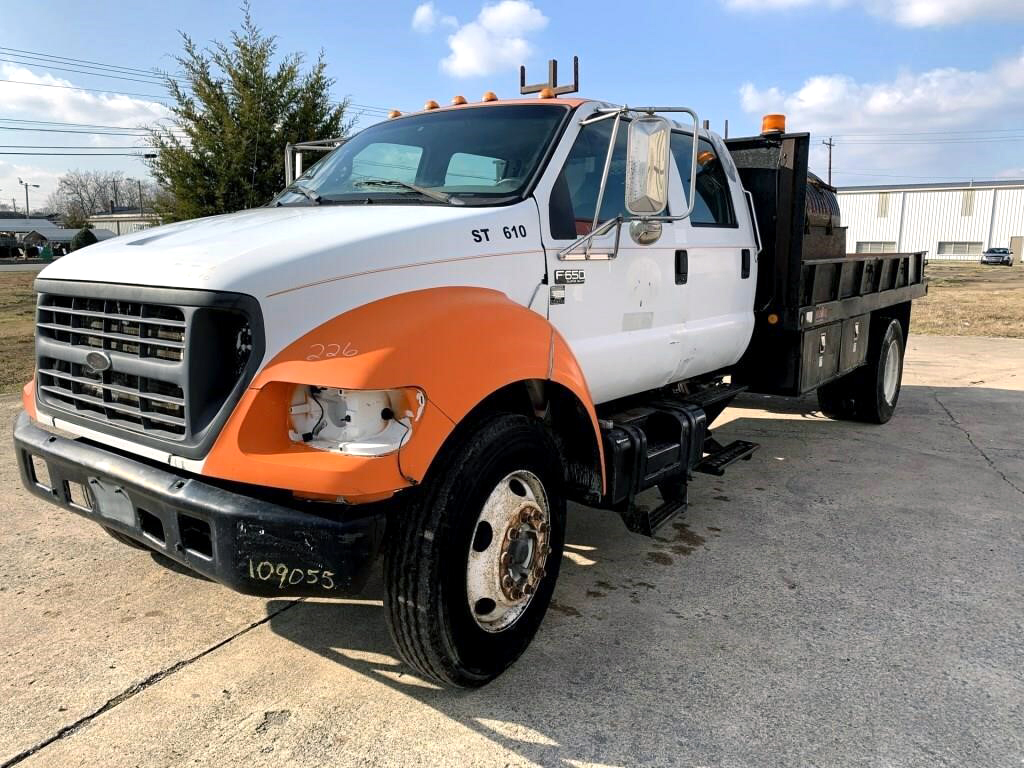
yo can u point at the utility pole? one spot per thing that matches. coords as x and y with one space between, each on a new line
829 144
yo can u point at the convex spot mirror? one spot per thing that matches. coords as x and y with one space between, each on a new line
647 164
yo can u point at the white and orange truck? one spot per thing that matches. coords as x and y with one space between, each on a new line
443 331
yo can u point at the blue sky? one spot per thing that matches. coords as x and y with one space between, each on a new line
913 90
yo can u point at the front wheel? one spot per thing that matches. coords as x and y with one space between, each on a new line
471 563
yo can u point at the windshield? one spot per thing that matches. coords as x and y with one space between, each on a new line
469 156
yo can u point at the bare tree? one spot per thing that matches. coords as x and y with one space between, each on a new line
80 194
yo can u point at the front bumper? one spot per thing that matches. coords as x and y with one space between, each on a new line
254 546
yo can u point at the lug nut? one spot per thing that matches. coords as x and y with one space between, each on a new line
540 573
524 516
506 559
506 582
528 589
513 534
544 528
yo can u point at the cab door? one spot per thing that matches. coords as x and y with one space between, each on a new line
621 312
721 255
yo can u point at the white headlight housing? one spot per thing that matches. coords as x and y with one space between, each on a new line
352 421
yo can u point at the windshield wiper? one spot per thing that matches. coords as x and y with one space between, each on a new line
306 192
441 197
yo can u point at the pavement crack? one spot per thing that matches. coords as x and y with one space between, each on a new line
139 687
956 423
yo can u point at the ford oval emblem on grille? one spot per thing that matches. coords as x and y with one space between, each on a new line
97 361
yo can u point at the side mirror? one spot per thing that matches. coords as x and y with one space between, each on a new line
647 164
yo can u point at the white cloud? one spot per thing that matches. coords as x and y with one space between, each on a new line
72 105
426 17
66 105
928 124
911 13
497 39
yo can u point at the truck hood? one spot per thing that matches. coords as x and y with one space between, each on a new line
266 250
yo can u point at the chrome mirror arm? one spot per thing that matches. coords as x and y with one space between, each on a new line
589 237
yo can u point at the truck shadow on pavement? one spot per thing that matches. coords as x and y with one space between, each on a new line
654 650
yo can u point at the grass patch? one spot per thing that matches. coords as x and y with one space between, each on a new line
17 319
971 300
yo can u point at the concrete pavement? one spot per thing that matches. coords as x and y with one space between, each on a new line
851 596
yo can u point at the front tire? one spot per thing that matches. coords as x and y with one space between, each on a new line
471 563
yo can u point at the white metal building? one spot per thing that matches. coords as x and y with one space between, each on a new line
949 221
123 222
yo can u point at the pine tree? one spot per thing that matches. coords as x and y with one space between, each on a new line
233 115
82 238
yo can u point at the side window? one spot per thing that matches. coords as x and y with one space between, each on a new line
714 201
465 170
394 162
574 196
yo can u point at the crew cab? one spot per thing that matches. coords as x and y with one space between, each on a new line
450 326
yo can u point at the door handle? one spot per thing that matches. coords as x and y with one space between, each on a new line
745 264
682 267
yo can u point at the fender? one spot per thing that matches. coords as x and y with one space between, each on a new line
457 344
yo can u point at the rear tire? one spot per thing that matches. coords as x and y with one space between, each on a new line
871 392
838 399
464 596
882 377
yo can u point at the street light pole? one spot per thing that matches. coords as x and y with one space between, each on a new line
26 185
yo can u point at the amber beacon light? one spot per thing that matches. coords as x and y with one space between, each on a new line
773 124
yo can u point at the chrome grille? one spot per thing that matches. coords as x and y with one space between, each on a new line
143 389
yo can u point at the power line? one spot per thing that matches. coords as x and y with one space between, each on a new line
971 131
154 76
39 54
94 90
63 146
150 81
138 134
77 154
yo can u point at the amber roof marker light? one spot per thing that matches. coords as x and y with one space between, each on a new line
489 96
431 104
551 88
458 101
394 113
773 124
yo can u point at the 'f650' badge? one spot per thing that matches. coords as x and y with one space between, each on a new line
570 276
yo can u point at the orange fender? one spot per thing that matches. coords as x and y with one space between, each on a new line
457 344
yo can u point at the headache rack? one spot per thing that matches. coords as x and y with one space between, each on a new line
154 365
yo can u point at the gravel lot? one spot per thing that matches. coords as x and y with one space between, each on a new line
851 596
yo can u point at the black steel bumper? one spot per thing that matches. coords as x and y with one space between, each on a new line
251 545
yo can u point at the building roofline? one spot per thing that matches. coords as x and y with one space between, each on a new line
940 185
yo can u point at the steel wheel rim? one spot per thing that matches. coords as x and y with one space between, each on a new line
891 377
510 545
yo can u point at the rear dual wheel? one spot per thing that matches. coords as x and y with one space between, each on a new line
471 563
869 393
